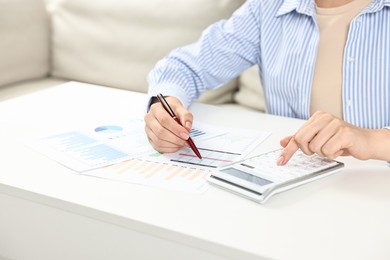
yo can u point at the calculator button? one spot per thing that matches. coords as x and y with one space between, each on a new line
299 165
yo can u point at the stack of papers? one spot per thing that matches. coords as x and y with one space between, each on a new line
120 151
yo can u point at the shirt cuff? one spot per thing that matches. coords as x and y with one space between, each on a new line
151 101
169 90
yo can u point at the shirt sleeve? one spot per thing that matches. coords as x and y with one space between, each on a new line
224 50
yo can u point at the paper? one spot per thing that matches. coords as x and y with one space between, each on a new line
156 174
219 151
102 144
119 150
183 171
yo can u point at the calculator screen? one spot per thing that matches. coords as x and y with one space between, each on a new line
246 176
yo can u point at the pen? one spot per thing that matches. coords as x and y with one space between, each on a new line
172 114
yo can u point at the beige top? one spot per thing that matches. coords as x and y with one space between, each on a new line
333 24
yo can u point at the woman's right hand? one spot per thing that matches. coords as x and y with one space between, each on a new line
163 132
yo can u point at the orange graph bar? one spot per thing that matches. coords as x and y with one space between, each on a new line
149 167
205 175
128 166
171 168
119 165
195 175
155 171
188 172
141 165
173 175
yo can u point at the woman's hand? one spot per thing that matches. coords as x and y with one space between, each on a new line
330 137
164 133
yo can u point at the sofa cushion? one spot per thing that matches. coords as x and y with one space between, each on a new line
24 44
250 92
116 43
27 87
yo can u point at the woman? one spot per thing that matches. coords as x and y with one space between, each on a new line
325 61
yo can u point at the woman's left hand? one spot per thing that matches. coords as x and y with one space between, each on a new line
330 137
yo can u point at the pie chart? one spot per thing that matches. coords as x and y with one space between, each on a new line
108 129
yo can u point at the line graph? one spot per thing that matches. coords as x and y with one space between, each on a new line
211 158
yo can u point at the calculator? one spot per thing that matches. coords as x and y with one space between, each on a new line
259 177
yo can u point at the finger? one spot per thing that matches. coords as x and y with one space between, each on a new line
288 152
162 134
339 153
335 147
313 118
165 121
159 144
185 117
323 136
285 141
307 133
152 125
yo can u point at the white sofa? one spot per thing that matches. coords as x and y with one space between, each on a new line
114 43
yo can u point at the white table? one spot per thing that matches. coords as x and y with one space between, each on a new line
49 212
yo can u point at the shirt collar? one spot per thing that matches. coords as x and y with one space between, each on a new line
377 5
307 7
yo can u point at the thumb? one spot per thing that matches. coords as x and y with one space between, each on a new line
185 117
285 141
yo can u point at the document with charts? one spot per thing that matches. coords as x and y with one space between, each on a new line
105 143
183 171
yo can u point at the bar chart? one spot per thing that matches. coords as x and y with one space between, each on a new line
82 152
157 174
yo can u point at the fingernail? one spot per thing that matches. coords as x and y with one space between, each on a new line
280 161
188 125
184 135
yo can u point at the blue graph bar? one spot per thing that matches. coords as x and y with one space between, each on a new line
69 140
97 154
84 148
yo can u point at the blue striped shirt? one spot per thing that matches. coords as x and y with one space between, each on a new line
281 37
